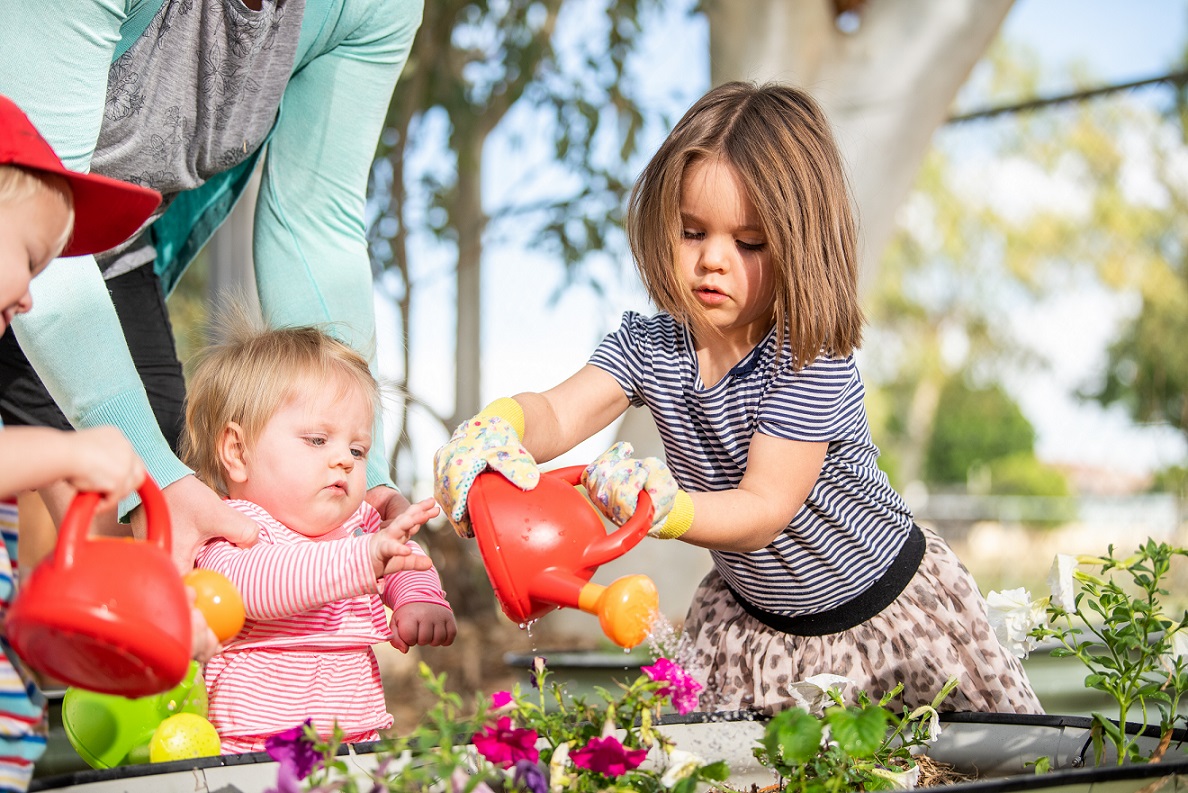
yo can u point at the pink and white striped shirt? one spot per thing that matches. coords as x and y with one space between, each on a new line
314 608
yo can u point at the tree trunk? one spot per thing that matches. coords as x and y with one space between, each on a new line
887 86
470 221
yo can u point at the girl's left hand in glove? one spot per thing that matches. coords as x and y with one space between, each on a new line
614 482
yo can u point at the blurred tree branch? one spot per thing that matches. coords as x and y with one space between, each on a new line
471 64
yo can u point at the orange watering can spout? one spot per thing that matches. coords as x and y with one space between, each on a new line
541 548
625 609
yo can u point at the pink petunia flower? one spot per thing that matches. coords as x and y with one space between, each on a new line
607 757
502 700
681 688
503 744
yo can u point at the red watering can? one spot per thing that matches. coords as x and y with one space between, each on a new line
106 614
542 546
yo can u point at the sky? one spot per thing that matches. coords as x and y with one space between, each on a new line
533 342
1118 43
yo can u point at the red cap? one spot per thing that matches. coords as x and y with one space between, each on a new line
106 211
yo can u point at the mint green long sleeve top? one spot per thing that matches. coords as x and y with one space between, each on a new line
310 251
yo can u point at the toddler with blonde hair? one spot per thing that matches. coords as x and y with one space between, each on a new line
279 422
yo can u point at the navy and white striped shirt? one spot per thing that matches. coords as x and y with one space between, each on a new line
852 524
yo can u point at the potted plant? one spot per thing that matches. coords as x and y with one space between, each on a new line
1107 612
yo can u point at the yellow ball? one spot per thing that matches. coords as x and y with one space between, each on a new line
183 736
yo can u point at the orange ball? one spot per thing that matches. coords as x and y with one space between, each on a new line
218 600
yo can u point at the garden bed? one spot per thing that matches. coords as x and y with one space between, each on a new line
995 747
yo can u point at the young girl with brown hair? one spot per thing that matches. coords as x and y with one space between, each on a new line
742 231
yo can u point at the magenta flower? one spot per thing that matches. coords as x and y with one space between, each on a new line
295 753
607 757
501 700
681 688
503 745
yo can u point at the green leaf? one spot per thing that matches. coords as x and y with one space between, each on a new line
876 782
717 772
859 732
793 736
1108 727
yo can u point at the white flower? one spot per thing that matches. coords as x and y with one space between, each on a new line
680 765
934 728
812 693
1013 616
1060 582
559 778
1179 648
900 780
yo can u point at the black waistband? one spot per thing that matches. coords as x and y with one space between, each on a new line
878 596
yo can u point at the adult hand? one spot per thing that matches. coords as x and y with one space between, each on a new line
389 502
479 443
615 479
198 514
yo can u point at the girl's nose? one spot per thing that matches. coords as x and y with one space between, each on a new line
715 254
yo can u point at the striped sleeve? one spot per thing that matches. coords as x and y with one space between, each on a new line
278 581
626 355
820 403
414 586
9 525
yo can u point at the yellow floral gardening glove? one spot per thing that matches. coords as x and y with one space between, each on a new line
615 479
489 440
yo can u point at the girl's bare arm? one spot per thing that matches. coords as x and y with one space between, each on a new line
558 419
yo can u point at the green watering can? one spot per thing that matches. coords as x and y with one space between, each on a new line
109 730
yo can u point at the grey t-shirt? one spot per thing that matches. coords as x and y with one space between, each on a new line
194 96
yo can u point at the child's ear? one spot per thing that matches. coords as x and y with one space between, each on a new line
232 451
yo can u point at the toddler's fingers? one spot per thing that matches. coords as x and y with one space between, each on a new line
409 521
391 546
407 561
423 510
442 634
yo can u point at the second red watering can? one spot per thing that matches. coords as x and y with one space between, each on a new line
541 547
106 614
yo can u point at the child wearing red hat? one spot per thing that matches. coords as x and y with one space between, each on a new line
47 211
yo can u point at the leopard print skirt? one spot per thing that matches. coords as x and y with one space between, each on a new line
936 628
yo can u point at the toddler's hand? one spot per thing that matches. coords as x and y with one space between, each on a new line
388 502
479 443
204 645
422 625
615 479
103 461
389 553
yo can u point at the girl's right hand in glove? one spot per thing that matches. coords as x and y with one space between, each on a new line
485 441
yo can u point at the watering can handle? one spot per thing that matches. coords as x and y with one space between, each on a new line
77 522
624 538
